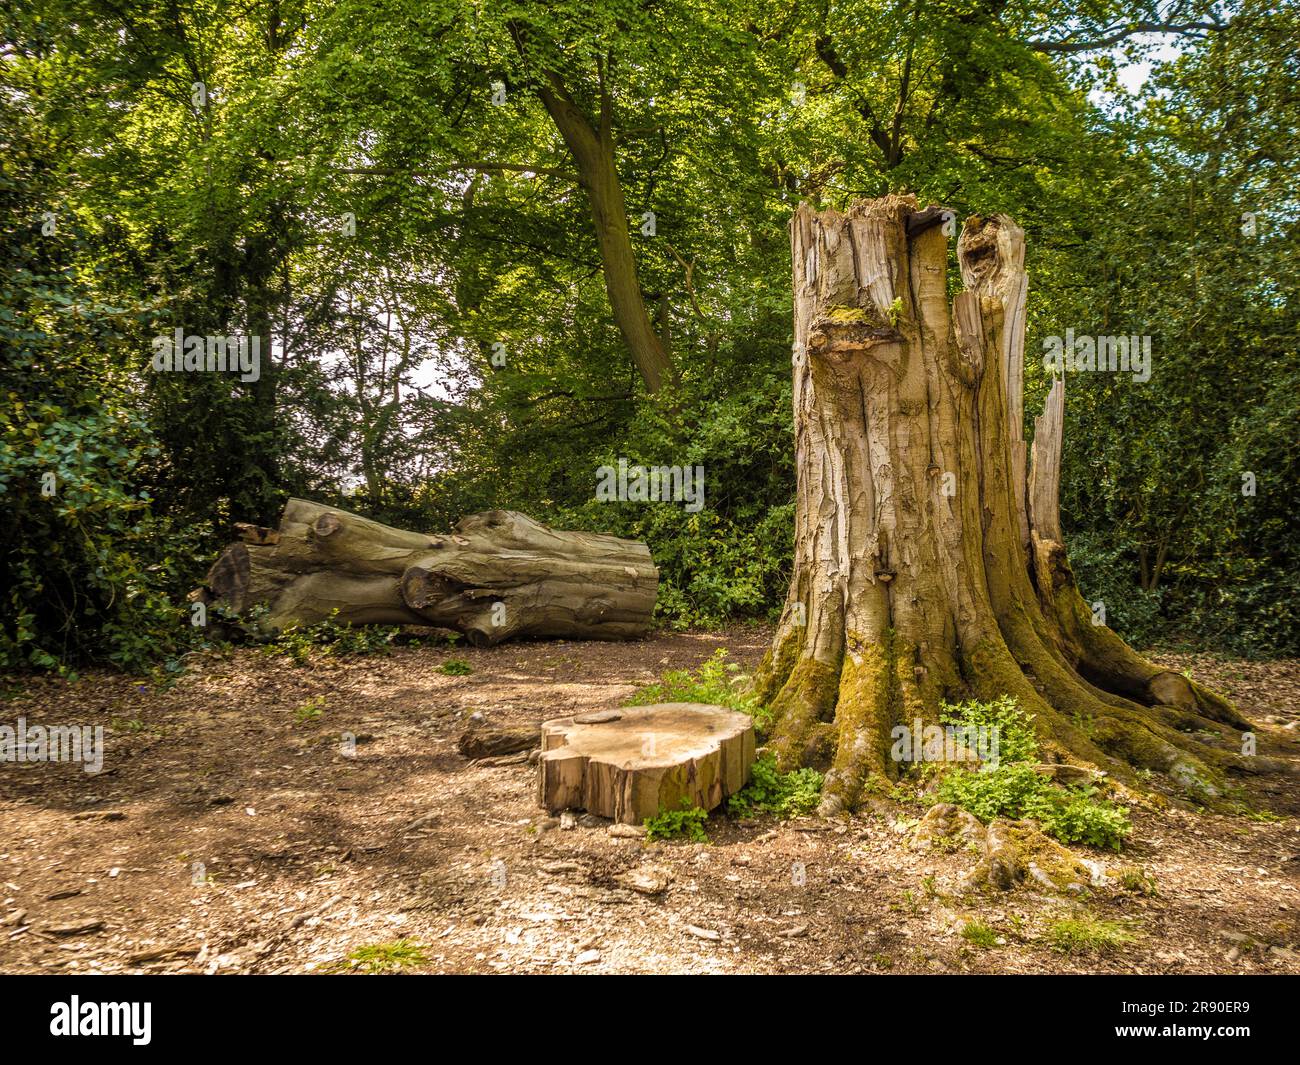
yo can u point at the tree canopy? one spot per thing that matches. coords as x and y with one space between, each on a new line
492 247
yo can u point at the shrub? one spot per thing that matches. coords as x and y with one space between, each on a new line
1014 789
771 791
1015 728
714 683
686 822
1072 815
327 637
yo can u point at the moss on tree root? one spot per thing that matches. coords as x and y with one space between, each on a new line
841 719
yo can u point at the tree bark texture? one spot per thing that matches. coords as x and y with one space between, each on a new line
928 558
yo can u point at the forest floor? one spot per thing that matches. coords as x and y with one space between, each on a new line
230 832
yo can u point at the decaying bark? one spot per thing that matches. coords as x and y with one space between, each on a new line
500 574
928 559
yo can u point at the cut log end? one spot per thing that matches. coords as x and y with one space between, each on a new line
228 578
645 759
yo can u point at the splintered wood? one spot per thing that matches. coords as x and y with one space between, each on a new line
631 763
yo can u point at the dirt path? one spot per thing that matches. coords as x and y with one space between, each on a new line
229 831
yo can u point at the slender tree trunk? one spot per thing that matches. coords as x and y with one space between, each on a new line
593 154
928 560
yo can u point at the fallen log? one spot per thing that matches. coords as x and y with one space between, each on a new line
500 574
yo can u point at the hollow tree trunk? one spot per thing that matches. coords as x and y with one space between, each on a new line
501 574
928 565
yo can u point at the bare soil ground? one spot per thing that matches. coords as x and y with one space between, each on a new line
230 831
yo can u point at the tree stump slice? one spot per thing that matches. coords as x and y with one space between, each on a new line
645 759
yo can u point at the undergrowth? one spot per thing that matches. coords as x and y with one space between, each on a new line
716 683
1014 789
684 823
770 791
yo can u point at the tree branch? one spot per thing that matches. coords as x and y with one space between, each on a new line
1070 46
451 168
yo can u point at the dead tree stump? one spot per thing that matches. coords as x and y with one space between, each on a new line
629 764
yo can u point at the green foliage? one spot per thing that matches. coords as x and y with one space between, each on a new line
310 712
1072 815
685 823
1199 252
714 683
895 311
328 637
377 958
1015 728
1085 934
1078 815
456 667
770 791
1013 789
89 572
979 934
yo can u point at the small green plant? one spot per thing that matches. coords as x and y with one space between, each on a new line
715 682
310 711
1014 789
1078 815
896 311
387 957
456 667
327 637
1086 934
1014 728
1138 882
687 822
1072 815
979 934
770 791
